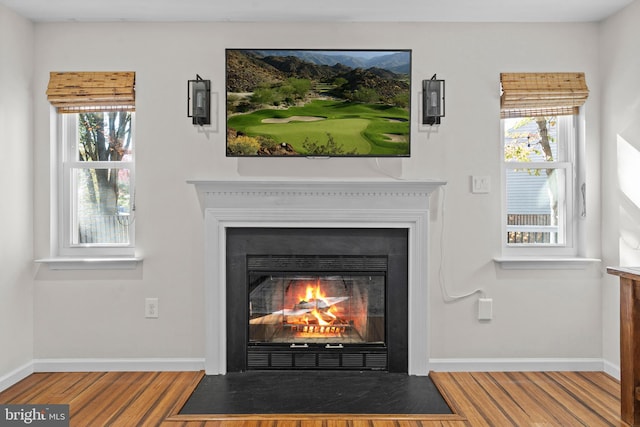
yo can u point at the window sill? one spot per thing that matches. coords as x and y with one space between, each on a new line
545 263
99 263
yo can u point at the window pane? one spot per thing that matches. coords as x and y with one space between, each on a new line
104 136
535 206
531 139
102 206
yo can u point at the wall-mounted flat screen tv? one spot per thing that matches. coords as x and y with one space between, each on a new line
324 103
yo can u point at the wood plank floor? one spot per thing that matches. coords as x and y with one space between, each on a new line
478 399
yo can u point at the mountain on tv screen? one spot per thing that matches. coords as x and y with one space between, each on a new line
318 103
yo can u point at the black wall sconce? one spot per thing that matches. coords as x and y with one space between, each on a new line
199 101
432 101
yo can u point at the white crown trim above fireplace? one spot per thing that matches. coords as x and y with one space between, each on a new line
315 204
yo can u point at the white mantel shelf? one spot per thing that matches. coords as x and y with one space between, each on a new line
338 186
380 192
382 203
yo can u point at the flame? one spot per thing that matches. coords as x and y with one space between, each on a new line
318 316
321 318
314 293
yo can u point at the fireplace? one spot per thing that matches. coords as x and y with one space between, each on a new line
317 298
257 207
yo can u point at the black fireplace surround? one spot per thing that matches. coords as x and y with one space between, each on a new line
257 257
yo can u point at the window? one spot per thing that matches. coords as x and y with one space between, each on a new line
97 177
95 200
539 149
538 172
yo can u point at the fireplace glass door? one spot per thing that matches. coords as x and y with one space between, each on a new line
327 309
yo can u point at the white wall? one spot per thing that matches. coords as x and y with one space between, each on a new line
537 314
620 58
16 176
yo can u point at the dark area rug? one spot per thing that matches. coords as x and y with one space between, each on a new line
315 392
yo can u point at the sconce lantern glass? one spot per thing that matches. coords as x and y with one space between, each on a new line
199 101
432 101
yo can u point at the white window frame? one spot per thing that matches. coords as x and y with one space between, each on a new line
567 215
66 146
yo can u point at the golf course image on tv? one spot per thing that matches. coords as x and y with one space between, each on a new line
324 103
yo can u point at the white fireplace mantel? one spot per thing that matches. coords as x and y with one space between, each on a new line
317 204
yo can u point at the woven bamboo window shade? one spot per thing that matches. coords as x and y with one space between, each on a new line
72 92
542 94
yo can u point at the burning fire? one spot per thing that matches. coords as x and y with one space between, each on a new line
315 312
314 293
315 296
310 313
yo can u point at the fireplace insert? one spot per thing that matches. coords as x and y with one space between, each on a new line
317 299
307 310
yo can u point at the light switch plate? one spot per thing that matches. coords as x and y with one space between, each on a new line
480 184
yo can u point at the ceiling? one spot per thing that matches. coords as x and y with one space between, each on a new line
321 11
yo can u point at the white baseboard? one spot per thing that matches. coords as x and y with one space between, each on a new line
197 364
611 369
16 376
516 364
108 365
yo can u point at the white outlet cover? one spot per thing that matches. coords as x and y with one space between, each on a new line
151 308
485 309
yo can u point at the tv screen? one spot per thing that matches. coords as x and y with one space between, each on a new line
318 103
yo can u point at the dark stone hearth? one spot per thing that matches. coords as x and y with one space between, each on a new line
315 393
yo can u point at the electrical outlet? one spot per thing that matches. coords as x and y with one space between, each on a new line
480 184
485 309
151 308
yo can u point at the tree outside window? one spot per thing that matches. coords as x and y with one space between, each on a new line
101 179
